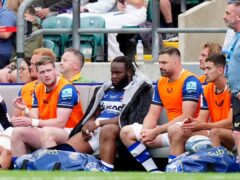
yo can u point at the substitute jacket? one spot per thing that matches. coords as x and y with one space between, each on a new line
136 102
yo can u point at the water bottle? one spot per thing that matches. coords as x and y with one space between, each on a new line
139 51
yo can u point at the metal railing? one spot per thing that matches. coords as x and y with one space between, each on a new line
76 31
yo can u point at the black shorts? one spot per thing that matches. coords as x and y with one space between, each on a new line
236 113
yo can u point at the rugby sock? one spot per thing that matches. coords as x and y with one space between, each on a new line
106 167
171 157
143 156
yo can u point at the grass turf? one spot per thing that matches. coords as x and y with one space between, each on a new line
60 175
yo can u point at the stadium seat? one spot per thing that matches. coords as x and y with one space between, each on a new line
56 22
192 1
92 44
150 10
51 45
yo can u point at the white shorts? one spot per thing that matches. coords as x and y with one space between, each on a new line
5 136
69 130
137 129
94 141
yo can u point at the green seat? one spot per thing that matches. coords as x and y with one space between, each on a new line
96 41
150 10
56 22
192 1
51 45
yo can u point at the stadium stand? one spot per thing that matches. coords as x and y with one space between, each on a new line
93 45
59 40
47 43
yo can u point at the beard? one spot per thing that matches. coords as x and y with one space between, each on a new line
163 73
123 83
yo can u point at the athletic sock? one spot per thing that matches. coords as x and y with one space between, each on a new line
143 156
171 157
106 167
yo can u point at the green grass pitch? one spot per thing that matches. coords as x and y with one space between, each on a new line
60 175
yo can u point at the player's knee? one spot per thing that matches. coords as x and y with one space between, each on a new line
236 136
17 134
214 132
46 134
110 131
127 133
175 132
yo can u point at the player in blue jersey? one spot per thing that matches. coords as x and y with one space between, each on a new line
104 115
113 106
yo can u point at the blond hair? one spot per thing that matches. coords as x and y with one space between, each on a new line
213 48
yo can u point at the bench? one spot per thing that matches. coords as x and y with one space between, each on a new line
10 91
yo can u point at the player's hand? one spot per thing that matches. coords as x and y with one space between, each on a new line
21 121
147 136
19 103
88 130
190 125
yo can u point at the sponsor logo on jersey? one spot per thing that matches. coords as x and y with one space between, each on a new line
66 93
111 106
236 124
191 86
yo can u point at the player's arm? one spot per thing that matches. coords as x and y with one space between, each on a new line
204 112
149 131
225 123
16 111
68 98
20 104
66 102
189 109
20 107
93 123
191 92
113 120
63 115
151 119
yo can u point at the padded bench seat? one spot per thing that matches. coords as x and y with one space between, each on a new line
10 91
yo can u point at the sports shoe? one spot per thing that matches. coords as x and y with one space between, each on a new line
170 37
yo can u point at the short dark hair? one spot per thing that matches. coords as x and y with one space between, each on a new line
45 60
170 51
217 59
235 2
77 53
129 63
